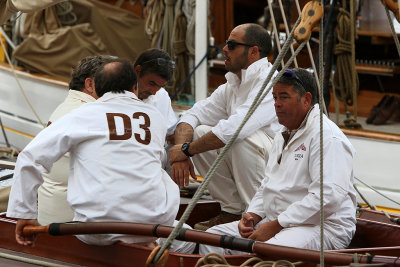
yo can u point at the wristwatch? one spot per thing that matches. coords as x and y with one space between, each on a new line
185 149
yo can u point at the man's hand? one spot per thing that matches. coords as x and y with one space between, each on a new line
180 172
246 224
170 139
266 231
176 154
19 235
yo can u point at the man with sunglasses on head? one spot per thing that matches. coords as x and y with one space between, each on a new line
154 68
286 208
210 123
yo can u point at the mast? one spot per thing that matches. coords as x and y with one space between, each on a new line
201 77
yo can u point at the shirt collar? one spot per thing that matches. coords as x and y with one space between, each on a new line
287 134
111 95
234 79
81 96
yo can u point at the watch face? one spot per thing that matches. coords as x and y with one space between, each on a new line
184 146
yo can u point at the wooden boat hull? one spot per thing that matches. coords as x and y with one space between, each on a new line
374 237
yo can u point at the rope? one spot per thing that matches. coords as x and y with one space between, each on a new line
168 27
396 39
31 261
287 29
376 191
177 92
4 133
310 54
180 51
65 13
19 83
191 29
278 45
153 25
221 156
363 198
321 144
343 78
216 260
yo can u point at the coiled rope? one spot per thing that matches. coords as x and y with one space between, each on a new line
153 25
181 52
345 86
258 99
216 260
168 26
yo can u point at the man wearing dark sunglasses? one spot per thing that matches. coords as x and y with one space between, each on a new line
210 123
285 210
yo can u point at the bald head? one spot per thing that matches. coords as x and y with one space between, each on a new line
116 76
256 35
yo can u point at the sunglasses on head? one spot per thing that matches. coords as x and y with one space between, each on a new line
291 75
232 44
162 62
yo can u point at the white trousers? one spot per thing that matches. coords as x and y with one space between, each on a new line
240 174
306 237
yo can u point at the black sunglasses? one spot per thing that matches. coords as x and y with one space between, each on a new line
162 62
232 44
290 74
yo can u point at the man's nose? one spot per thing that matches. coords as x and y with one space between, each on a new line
225 49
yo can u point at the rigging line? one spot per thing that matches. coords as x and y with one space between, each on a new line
396 39
19 83
312 62
275 30
4 133
287 29
377 191
193 71
217 162
8 40
321 141
363 198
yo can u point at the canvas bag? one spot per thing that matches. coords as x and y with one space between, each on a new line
52 49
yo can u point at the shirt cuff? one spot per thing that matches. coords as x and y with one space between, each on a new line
189 119
283 220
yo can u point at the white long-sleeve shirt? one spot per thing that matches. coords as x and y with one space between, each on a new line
227 106
290 191
162 102
115 172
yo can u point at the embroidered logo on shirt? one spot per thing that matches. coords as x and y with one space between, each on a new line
301 147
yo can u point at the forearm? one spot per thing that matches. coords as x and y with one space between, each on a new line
183 133
207 142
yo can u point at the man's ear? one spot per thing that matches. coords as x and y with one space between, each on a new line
138 69
255 52
89 85
307 98
90 88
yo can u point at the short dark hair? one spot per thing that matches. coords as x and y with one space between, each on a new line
155 61
86 68
117 78
257 35
307 83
